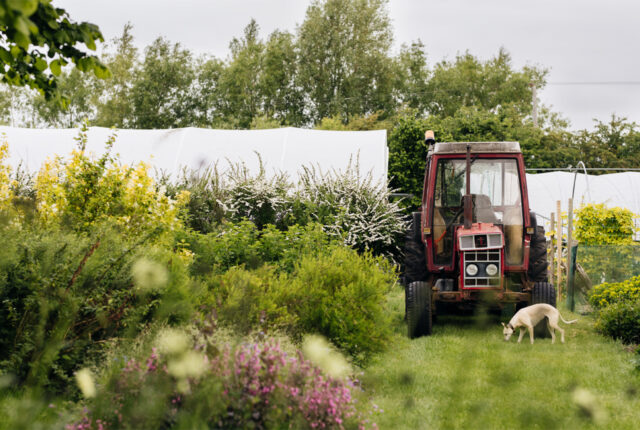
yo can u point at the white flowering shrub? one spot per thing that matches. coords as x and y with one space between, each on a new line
354 208
351 207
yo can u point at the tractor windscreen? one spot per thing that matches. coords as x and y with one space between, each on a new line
496 197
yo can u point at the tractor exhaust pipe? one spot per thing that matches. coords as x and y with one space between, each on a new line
468 208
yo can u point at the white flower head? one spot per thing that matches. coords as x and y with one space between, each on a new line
84 379
172 342
191 364
149 275
321 353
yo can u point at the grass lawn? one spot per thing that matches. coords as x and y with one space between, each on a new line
466 376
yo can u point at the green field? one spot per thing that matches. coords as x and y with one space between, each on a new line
466 376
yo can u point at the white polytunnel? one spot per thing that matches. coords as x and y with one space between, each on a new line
169 151
287 150
613 189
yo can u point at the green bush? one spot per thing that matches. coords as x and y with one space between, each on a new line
606 294
598 225
621 320
336 293
63 295
243 244
350 207
342 296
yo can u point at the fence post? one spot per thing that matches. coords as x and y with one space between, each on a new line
559 250
569 256
552 231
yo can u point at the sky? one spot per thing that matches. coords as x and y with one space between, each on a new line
579 41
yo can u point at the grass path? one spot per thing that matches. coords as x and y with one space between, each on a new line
465 376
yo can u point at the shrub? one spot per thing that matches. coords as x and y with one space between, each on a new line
621 320
342 296
356 210
63 294
243 244
350 208
250 386
5 175
598 225
607 294
84 191
336 293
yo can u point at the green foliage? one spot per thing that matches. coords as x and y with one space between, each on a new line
598 225
468 82
342 296
354 209
34 31
84 191
64 294
607 293
243 244
621 320
345 67
161 94
329 290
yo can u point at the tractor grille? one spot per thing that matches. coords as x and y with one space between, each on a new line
482 259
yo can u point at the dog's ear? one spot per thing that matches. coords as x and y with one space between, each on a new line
504 325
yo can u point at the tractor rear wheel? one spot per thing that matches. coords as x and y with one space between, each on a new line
538 257
543 292
415 260
419 315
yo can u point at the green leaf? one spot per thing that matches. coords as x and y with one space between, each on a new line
26 7
5 56
41 64
55 67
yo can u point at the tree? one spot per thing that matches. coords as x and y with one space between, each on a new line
283 99
487 85
114 105
612 144
80 102
412 77
345 67
240 81
36 37
161 96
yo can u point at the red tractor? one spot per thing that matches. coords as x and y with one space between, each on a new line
474 239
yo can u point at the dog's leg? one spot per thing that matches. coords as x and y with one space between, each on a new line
561 334
552 331
522 330
530 328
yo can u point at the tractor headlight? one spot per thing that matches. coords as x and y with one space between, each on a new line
492 270
472 270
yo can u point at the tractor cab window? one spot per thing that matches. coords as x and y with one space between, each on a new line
495 190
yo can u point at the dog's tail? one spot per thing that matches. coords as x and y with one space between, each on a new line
566 322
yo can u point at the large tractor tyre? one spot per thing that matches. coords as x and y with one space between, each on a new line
538 257
543 292
415 260
419 315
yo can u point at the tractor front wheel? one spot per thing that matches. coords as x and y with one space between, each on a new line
538 257
419 312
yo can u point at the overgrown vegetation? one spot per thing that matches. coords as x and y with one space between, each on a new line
102 257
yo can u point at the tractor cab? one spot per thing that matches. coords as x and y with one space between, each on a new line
474 238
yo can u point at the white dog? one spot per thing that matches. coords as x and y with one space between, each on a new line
527 318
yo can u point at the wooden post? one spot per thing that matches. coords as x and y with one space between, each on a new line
569 289
559 250
552 253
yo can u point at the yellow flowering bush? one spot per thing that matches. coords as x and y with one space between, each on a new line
597 224
5 175
607 294
83 191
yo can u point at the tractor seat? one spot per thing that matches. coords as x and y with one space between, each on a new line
482 209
